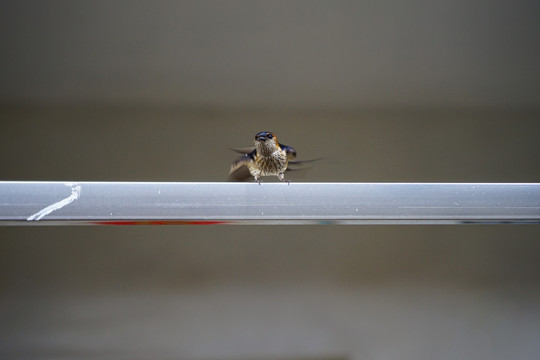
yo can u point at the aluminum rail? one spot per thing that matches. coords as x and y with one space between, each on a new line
160 203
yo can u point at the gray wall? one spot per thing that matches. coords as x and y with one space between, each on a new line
158 91
272 53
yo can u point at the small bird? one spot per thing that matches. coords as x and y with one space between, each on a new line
267 158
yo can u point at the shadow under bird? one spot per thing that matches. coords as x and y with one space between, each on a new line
267 158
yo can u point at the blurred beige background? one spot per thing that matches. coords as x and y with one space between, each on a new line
159 91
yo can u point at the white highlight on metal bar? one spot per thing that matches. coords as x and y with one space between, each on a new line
75 193
156 203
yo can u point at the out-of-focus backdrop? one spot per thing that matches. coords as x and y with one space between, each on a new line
416 91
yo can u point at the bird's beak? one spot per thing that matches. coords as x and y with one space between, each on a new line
261 138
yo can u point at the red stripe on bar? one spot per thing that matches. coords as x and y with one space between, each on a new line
161 222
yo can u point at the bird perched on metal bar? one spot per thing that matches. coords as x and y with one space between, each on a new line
267 158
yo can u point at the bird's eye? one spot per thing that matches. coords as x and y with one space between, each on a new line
269 136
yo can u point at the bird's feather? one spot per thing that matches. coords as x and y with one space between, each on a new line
245 150
263 162
239 170
289 150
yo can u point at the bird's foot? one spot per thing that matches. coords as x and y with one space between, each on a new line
281 177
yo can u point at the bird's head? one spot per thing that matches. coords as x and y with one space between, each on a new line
266 142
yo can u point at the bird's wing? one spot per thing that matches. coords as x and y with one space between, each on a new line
298 162
245 150
289 150
291 155
239 170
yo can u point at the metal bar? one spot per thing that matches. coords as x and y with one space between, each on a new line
157 203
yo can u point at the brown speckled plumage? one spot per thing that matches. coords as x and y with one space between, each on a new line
268 158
